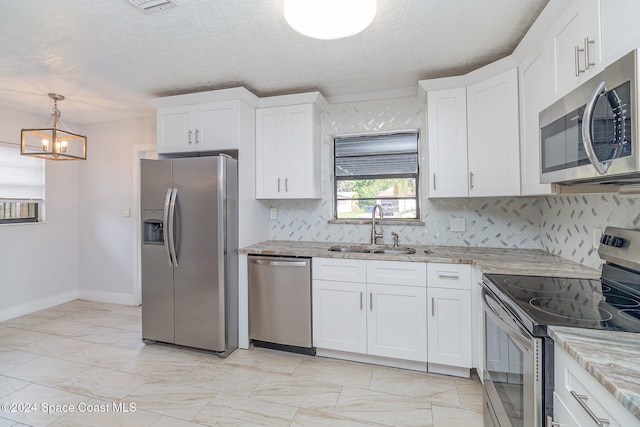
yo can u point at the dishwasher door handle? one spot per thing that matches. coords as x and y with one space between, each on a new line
279 263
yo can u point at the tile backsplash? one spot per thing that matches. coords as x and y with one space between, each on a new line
559 224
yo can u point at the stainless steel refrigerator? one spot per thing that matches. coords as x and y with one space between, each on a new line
189 252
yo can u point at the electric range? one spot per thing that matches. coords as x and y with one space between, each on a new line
518 371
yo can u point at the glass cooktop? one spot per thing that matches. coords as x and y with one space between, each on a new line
539 301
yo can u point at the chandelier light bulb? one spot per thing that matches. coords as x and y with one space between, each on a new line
329 19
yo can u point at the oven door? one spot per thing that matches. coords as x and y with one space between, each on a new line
513 369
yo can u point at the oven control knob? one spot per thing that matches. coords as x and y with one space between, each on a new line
617 242
609 240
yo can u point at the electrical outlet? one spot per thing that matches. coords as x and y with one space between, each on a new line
126 212
597 235
273 213
457 224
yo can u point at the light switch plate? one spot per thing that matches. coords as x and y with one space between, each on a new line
273 213
126 212
457 224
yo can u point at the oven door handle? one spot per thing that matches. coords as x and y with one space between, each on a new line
513 328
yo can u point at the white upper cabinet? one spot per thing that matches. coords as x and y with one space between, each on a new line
620 29
532 101
288 150
447 133
574 45
493 136
204 121
473 133
203 127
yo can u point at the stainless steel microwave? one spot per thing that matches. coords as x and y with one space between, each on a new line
591 134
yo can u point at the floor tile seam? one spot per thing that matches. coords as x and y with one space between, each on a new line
402 395
25 385
191 420
360 420
288 404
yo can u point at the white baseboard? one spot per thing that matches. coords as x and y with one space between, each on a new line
449 370
374 360
109 297
36 305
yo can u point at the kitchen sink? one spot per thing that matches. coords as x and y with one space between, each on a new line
395 251
370 249
356 249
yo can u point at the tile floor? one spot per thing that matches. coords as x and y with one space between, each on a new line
89 356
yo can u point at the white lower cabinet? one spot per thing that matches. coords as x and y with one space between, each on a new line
339 316
580 400
359 315
397 322
449 300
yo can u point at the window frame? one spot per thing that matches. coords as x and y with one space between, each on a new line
417 177
13 200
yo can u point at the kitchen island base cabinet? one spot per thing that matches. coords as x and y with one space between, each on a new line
361 316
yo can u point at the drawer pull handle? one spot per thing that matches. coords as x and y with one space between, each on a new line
582 400
433 306
371 301
360 301
448 276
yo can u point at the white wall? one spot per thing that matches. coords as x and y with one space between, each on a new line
106 188
39 262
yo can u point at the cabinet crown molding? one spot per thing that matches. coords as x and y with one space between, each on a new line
231 94
295 99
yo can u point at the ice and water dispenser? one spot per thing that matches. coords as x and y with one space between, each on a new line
152 227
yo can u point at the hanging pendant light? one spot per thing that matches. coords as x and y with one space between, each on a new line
329 19
53 143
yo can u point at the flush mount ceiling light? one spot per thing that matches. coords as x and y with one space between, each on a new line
53 143
329 19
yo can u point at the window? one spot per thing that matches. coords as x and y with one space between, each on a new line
377 169
21 186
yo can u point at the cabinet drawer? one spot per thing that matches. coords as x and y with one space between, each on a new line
397 273
340 270
571 377
451 276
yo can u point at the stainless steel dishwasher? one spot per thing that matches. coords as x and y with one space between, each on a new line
280 303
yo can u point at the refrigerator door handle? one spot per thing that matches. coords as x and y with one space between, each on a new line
172 236
165 226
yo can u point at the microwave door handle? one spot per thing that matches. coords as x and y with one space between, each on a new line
587 130
165 226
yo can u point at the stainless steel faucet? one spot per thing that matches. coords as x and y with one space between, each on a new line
374 234
395 239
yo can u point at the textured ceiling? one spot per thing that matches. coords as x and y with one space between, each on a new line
107 57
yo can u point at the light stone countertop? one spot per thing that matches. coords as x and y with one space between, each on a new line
530 262
610 357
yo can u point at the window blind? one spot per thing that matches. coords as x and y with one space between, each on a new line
21 177
377 156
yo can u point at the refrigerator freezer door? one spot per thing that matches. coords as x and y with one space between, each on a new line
200 250
157 274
